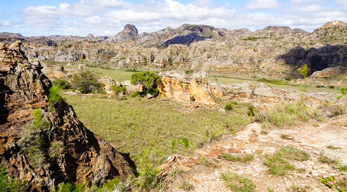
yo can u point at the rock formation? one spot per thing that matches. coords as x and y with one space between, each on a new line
272 51
129 33
42 142
184 88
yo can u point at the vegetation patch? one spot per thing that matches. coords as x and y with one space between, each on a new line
63 84
278 162
119 89
135 124
186 186
54 96
324 159
86 82
241 158
286 137
341 167
288 114
149 80
273 81
9 185
238 183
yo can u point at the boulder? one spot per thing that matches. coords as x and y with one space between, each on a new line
329 72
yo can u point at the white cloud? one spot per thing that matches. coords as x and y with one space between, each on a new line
6 23
262 4
64 6
108 17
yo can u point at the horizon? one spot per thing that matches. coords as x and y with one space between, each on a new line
108 17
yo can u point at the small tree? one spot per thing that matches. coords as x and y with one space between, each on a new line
86 82
149 80
304 70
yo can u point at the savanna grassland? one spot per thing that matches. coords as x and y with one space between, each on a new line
136 124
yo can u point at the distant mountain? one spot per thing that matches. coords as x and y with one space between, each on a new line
201 47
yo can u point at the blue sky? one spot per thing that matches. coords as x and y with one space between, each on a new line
107 17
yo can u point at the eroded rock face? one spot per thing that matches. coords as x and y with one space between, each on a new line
183 88
129 33
60 148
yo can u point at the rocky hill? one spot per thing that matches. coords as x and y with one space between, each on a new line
272 51
42 142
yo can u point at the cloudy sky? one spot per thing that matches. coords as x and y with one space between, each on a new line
107 17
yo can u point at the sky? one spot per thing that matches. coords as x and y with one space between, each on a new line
108 17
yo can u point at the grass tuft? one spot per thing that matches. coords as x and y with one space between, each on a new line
243 158
238 183
278 162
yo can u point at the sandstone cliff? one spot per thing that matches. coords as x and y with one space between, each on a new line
42 142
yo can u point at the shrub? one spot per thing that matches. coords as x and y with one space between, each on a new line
252 111
63 84
304 70
229 107
119 89
86 82
149 79
54 96
148 174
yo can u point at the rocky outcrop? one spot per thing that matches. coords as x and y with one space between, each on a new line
187 89
330 72
263 96
317 59
42 142
129 33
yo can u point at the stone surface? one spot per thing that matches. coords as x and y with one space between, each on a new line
330 72
80 156
185 88
311 139
200 47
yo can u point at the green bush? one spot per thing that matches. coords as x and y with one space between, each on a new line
304 71
149 177
63 84
149 79
86 82
230 106
54 96
119 89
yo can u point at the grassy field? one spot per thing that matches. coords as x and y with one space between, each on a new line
116 74
136 124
